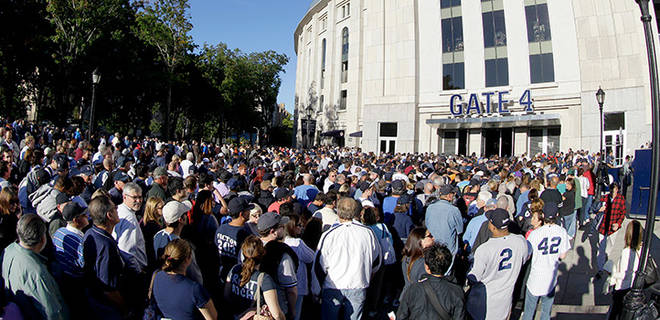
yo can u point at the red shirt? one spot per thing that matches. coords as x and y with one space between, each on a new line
274 207
592 185
614 214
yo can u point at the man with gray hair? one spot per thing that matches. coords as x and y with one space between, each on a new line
187 165
26 275
127 232
348 256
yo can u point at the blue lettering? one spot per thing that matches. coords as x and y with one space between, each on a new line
501 101
452 104
526 100
473 104
488 102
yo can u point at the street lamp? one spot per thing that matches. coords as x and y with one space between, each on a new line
309 112
96 78
634 306
600 98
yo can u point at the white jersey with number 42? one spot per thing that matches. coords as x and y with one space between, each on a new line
549 242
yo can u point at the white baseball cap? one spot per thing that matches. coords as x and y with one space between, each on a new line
173 210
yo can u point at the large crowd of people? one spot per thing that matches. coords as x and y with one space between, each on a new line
139 228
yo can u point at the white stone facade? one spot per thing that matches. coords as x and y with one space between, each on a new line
395 75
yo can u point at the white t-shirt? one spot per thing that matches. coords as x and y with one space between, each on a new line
584 186
548 243
497 264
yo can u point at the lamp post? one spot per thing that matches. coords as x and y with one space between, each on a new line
633 303
309 111
600 98
96 78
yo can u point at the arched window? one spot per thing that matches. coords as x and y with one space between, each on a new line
344 55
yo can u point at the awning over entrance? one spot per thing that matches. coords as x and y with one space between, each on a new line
333 133
357 134
527 120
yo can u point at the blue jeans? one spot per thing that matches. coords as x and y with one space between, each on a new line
299 303
569 224
532 300
351 301
584 213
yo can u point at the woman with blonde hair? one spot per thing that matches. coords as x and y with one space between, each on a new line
151 223
623 272
246 283
176 296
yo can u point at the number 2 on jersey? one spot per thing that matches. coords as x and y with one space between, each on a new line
554 245
504 263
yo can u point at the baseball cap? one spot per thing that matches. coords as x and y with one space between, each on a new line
84 170
61 198
159 172
499 218
233 184
492 202
121 176
71 211
238 205
269 220
62 162
398 186
550 210
282 193
173 210
445 189
364 185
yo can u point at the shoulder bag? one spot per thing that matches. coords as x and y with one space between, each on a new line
433 299
151 312
258 312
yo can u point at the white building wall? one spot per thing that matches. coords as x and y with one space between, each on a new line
395 69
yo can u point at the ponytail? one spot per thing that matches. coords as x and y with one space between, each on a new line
253 251
175 255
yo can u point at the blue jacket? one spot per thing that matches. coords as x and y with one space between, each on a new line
445 223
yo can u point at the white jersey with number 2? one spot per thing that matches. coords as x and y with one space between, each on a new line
548 242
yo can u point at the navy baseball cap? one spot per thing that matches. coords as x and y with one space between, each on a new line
121 176
499 218
238 205
71 211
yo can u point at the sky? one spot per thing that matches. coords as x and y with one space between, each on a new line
252 26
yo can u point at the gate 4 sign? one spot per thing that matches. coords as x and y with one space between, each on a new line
475 105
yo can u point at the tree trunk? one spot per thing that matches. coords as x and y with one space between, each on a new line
166 127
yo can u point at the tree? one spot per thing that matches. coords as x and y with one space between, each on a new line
165 25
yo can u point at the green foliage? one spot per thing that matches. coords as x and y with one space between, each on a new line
149 71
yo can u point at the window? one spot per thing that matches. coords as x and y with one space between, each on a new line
346 10
497 64
453 67
324 23
323 48
321 100
387 136
497 72
541 64
344 55
614 121
449 146
541 68
342 101
545 140
494 29
449 3
614 134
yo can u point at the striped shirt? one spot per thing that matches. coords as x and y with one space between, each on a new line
69 251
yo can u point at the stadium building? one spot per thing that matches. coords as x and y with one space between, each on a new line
507 77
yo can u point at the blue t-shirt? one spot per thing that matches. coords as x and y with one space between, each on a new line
389 204
305 194
241 298
228 239
179 297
